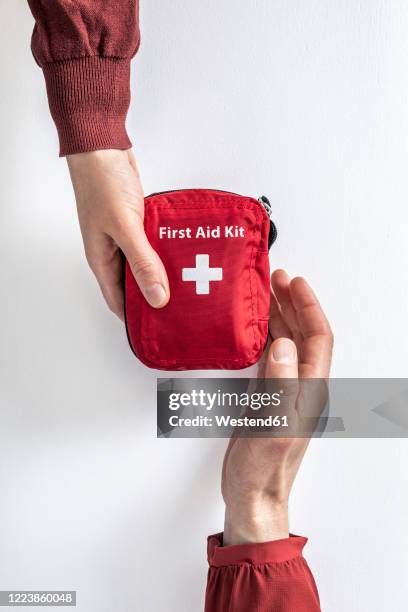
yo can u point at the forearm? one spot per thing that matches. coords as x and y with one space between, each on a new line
85 48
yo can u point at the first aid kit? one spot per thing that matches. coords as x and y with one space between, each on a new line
215 248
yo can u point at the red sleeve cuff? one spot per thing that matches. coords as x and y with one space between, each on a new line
277 551
89 98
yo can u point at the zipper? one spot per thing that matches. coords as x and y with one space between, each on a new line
273 232
156 193
262 200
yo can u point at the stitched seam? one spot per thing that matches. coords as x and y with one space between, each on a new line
203 359
256 565
244 205
252 295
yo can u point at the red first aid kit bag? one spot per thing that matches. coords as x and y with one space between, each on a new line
215 248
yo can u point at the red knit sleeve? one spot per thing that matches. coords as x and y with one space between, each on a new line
272 576
84 48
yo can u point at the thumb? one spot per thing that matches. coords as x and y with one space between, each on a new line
282 359
146 266
282 363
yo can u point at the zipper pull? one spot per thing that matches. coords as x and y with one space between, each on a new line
273 232
263 200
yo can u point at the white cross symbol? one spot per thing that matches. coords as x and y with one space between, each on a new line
202 274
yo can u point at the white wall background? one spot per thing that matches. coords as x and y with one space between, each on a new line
303 101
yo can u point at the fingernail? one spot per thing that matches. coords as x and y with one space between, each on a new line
284 351
155 294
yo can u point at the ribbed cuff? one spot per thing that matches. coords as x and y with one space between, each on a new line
277 551
89 98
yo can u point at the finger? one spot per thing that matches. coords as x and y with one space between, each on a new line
112 289
282 364
146 265
277 326
105 261
316 351
280 284
282 359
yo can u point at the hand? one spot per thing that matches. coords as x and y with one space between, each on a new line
110 205
258 473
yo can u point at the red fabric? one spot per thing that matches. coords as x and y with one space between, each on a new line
267 577
84 48
226 327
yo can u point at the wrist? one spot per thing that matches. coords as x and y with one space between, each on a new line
263 520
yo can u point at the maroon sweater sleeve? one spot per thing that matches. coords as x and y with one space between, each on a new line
267 577
84 48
